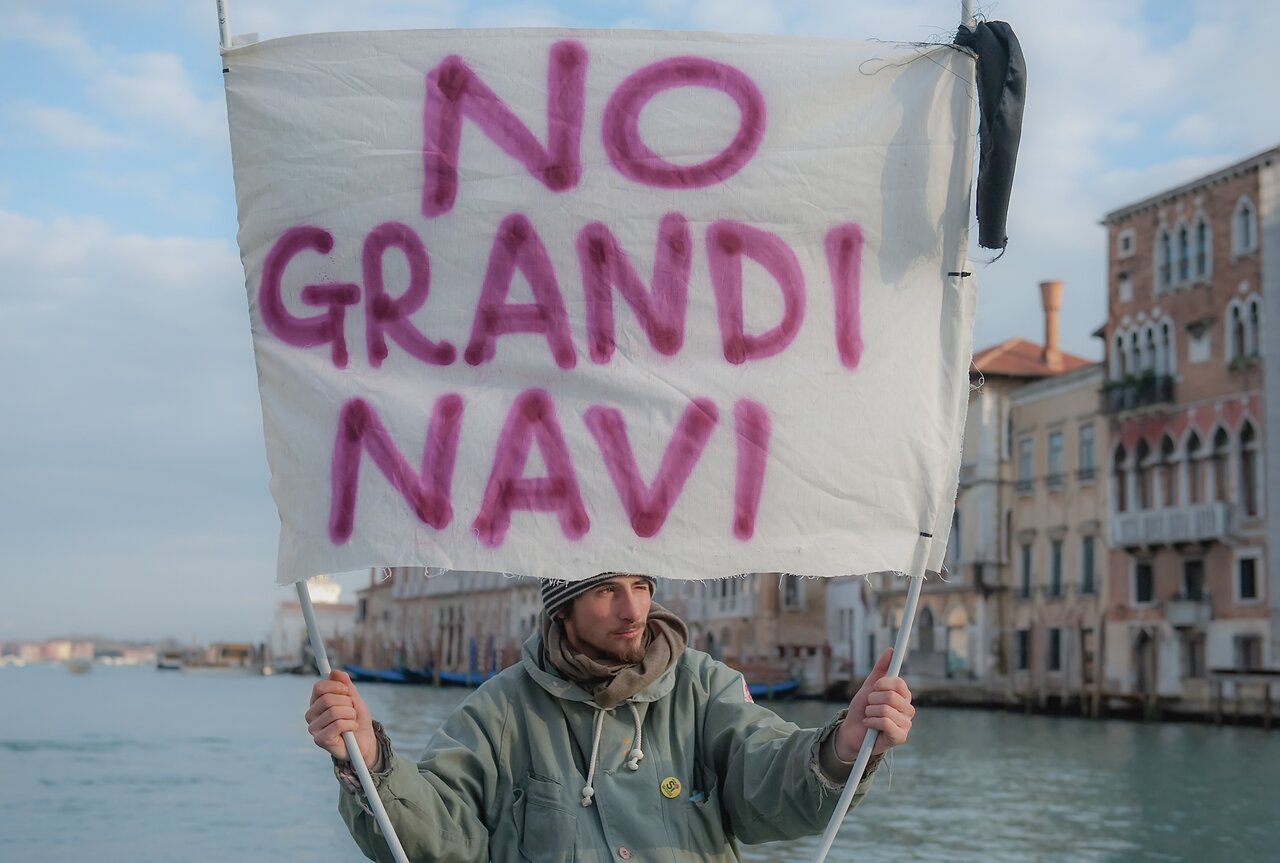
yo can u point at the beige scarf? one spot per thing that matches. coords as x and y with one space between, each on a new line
612 684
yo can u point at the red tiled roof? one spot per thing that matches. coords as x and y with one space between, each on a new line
1020 358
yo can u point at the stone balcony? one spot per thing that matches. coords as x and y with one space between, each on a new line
1200 522
1134 393
1187 612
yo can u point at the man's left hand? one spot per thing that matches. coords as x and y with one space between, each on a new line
882 703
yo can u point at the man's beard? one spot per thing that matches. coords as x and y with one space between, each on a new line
633 654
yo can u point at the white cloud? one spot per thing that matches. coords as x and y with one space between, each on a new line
72 130
132 407
155 89
155 191
291 17
151 87
519 15
734 16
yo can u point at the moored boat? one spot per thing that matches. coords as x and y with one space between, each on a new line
225 659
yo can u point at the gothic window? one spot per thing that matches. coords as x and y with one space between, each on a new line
1254 325
1164 260
1184 254
1168 472
1244 228
1119 479
1221 445
1195 475
1142 475
1249 469
1203 261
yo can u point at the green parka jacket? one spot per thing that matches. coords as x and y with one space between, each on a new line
503 779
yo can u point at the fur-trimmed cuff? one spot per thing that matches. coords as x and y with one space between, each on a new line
346 773
832 767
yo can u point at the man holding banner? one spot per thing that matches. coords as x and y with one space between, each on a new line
609 739
599 302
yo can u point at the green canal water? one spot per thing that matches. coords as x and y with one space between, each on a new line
135 765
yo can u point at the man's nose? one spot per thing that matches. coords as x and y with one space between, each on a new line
630 605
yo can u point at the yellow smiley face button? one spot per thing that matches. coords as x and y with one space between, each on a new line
670 788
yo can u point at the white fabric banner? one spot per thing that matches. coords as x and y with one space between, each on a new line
557 303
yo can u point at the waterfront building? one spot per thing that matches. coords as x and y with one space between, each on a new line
1058 535
379 636
412 616
851 615
771 626
961 634
479 620
288 645
1191 271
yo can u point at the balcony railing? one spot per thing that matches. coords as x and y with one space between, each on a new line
1133 393
1184 611
1201 522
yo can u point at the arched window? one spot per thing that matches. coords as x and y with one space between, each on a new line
1168 472
1254 325
1195 469
1119 368
1221 446
953 544
1248 469
1204 248
1149 353
1119 479
1184 254
1135 354
925 630
1166 364
1164 260
1142 475
1194 475
1244 227
1237 336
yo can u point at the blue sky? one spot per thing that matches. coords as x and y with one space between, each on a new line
133 484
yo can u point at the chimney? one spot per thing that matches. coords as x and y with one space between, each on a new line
1051 298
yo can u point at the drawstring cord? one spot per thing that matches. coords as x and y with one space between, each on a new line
587 791
635 755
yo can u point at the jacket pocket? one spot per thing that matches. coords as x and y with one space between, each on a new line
545 821
705 822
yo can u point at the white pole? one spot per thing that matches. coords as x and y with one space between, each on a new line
899 646
348 737
224 26
869 742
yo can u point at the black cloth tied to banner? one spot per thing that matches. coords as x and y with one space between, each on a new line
1002 93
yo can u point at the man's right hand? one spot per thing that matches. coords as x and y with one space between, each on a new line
335 708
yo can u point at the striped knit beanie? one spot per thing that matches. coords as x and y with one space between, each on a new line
557 594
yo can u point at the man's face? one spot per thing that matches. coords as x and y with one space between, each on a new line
607 622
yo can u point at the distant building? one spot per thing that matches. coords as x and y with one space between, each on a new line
851 617
961 629
287 643
1191 271
378 635
771 626
479 620
1059 534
